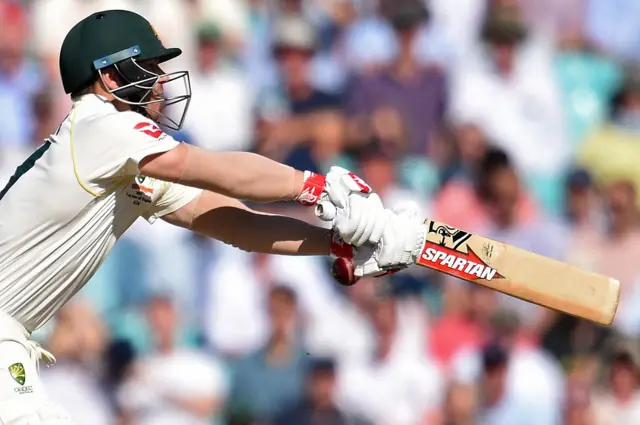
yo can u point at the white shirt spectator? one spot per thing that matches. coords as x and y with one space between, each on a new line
522 114
609 411
172 20
534 379
78 391
232 16
627 320
399 391
344 333
509 411
233 310
457 21
169 263
181 374
220 115
47 38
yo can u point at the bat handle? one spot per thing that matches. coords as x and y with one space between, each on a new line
325 211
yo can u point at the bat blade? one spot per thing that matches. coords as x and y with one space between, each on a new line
520 273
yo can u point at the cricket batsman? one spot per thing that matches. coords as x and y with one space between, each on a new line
109 162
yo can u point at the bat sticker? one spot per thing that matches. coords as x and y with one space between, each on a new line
446 250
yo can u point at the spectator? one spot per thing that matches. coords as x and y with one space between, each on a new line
416 92
587 78
501 192
611 150
613 27
78 339
497 407
459 21
464 321
554 18
395 386
318 405
21 79
577 406
220 114
119 360
534 380
290 135
379 168
508 88
46 39
469 193
584 216
620 404
272 376
173 384
619 248
345 333
461 405
583 210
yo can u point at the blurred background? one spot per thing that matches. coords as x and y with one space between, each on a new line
518 120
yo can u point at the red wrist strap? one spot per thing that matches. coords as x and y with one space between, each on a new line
312 189
339 248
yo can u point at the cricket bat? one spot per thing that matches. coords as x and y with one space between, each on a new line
516 272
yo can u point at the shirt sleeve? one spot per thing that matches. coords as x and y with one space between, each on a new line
142 138
110 148
174 197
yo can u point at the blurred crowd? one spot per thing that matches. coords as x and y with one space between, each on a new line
515 119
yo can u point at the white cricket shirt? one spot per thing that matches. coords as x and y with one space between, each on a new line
66 206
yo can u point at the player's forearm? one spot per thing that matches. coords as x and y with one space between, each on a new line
239 175
272 234
230 221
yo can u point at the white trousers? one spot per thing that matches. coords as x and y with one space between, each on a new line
23 400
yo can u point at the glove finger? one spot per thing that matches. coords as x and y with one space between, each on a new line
371 216
380 226
344 225
355 184
336 194
336 170
364 226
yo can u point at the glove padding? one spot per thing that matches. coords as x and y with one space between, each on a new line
340 184
363 221
360 216
399 245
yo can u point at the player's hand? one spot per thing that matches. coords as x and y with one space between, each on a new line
402 238
335 187
397 247
362 221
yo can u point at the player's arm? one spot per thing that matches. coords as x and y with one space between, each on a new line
240 175
230 221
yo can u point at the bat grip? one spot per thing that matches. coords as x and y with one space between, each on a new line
325 211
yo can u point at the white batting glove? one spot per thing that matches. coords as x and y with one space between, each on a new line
358 215
335 187
402 239
363 221
340 184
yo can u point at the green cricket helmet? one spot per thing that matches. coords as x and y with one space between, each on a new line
123 40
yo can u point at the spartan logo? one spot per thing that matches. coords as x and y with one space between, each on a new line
17 372
448 236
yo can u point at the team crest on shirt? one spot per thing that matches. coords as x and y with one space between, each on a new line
19 375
